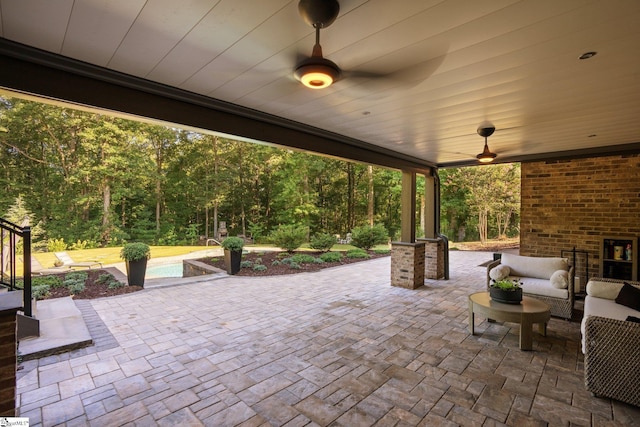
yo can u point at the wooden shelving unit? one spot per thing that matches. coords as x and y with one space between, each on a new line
619 258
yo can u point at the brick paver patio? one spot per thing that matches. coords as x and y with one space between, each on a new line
340 347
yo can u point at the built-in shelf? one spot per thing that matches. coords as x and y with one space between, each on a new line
619 258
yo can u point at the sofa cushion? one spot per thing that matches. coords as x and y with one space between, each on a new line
537 267
560 279
629 296
604 307
600 289
499 272
541 287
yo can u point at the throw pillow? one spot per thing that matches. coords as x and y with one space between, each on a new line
560 279
633 319
500 272
629 296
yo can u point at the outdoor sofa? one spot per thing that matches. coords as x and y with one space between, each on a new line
549 279
611 340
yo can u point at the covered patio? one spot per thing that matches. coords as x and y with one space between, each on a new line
340 347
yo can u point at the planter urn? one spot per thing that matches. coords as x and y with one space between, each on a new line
232 261
513 296
136 270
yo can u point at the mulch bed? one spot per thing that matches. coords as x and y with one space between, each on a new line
268 257
92 289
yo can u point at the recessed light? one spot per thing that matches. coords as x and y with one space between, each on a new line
588 55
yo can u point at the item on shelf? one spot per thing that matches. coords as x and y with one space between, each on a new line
617 253
627 252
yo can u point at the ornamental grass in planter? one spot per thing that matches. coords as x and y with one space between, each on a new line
232 254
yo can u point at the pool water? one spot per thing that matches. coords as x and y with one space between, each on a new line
165 270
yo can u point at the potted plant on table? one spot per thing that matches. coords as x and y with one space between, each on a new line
232 253
506 291
135 256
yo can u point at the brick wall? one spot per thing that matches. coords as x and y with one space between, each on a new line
577 202
8 363
407 264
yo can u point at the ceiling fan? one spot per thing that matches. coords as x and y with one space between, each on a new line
318 72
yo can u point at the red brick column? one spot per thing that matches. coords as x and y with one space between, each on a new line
434 258
407 264
8 353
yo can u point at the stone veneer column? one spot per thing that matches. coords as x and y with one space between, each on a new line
407 264
10 303
434 258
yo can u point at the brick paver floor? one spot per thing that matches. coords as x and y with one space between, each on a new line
340 347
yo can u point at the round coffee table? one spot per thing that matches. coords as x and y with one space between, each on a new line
527 313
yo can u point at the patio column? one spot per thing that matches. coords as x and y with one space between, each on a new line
434 246
407 256
10 303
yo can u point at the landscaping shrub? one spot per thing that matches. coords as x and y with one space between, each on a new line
294 265
331 257
115 284
40 291
276 262
259 267
49 281
382 251
289 237
246 264
302 258
322 242
109 280
56 245
366 237
75 281
318 261
357 253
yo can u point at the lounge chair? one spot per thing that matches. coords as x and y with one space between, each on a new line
68 262
38 269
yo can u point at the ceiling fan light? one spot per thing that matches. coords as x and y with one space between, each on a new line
317 73
486 156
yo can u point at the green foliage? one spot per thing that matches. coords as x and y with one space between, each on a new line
318 261
233 244
114 284
382 251
75 281
322 242
259 267
49 281
82 244
289 237
276 262
56 245
40 291
366 237
257 261
357 253
246 264
135 251
294 265
506 284
302 258
76 287
331 257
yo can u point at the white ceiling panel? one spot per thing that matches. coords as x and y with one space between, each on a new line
419 75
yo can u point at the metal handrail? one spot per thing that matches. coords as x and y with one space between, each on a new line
9 234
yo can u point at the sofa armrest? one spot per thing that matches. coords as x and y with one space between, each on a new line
604 287
612 358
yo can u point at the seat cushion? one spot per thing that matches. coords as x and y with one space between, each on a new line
540 287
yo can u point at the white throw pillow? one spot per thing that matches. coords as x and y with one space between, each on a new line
500 272
560 279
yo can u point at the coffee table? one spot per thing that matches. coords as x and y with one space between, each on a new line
527 313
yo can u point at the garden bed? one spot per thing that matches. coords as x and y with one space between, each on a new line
276 262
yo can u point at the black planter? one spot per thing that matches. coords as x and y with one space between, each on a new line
232 261
136 271
506 297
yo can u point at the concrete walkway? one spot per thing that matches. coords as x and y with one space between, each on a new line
339 347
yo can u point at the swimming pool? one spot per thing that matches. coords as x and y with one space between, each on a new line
165 270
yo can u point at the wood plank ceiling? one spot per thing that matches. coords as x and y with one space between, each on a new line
424 73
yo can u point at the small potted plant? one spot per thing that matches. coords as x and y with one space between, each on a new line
135 256
232 254
506 291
